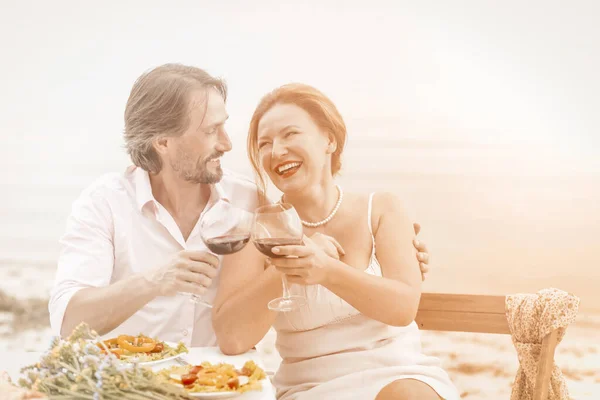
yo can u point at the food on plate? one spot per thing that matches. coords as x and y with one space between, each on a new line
74 368
140 348
222 377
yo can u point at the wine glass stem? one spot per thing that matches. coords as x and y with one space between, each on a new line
286 290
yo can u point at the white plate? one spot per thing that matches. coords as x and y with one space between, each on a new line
162 360
195 359
215 395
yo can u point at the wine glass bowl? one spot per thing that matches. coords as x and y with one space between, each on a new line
224 229
278 225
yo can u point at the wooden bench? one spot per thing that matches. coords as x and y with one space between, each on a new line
485 314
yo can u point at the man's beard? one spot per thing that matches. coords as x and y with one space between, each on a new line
196 171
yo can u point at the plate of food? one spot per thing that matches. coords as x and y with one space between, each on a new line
215 381
141 349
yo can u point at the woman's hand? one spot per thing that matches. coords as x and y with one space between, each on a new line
308 264
333 249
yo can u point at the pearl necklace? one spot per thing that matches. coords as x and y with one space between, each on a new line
331 215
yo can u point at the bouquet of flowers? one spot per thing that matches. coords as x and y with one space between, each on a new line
76 368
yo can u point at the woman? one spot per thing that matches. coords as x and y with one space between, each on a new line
356 338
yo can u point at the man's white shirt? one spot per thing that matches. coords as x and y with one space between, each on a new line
117 229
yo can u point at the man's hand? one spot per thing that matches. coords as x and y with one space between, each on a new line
422 254
333 249
331 246
188 271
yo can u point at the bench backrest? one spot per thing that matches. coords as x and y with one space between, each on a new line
484 314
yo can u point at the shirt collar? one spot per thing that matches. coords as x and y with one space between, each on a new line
143 190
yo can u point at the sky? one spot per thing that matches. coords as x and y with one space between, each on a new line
482 114
436 73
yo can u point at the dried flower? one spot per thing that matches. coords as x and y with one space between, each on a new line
75 368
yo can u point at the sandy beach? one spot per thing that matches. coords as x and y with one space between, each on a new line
482 366
487 234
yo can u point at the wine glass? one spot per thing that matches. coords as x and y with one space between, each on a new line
278 225
224 229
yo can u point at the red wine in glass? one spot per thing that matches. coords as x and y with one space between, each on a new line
266 245
224 229
278 225
227 244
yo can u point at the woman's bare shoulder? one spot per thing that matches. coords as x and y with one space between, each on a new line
383 202
381 199
386 203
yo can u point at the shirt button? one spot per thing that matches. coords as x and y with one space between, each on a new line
185 332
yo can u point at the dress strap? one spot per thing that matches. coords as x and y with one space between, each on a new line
369 219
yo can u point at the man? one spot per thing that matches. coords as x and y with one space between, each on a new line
132 253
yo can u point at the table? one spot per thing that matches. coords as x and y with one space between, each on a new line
13 361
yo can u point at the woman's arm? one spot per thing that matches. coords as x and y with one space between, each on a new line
393 299
241 317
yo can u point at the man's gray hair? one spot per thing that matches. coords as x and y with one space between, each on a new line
158 105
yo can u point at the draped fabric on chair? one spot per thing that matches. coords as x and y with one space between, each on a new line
532 318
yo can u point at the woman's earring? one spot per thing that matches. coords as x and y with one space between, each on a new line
332 147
